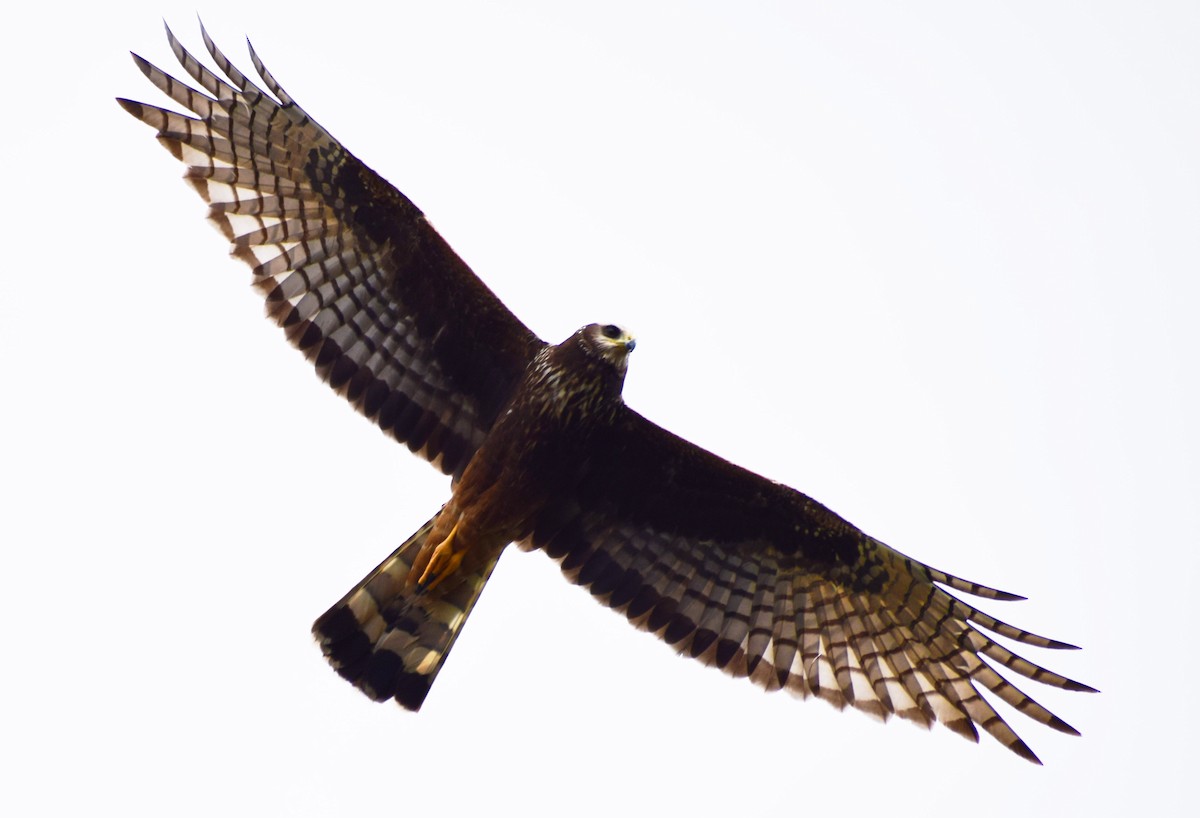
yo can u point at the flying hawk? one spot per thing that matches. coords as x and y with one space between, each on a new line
726 566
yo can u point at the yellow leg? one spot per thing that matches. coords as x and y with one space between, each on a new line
443 562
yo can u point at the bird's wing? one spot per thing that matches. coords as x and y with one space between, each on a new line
762 581
362 284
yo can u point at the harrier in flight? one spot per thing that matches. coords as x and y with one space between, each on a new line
724 565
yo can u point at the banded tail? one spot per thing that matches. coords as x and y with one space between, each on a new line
390 639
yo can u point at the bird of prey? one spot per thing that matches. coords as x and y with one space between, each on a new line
726 566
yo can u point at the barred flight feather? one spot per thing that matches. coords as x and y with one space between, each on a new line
908 649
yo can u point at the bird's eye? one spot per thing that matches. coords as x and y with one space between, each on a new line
611 331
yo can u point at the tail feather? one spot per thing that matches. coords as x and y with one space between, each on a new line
388 638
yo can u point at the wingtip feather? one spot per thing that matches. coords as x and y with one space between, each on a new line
1022 749
132 108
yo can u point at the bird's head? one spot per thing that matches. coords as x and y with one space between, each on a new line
609 343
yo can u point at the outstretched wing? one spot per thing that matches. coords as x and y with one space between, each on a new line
764 582
363 285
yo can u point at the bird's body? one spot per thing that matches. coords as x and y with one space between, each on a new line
726 566
569 393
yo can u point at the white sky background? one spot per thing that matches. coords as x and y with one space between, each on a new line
934 264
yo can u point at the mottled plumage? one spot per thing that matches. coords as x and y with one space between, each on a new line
726 566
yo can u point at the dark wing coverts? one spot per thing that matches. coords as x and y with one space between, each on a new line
390 316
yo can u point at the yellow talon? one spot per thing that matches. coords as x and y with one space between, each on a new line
443 562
